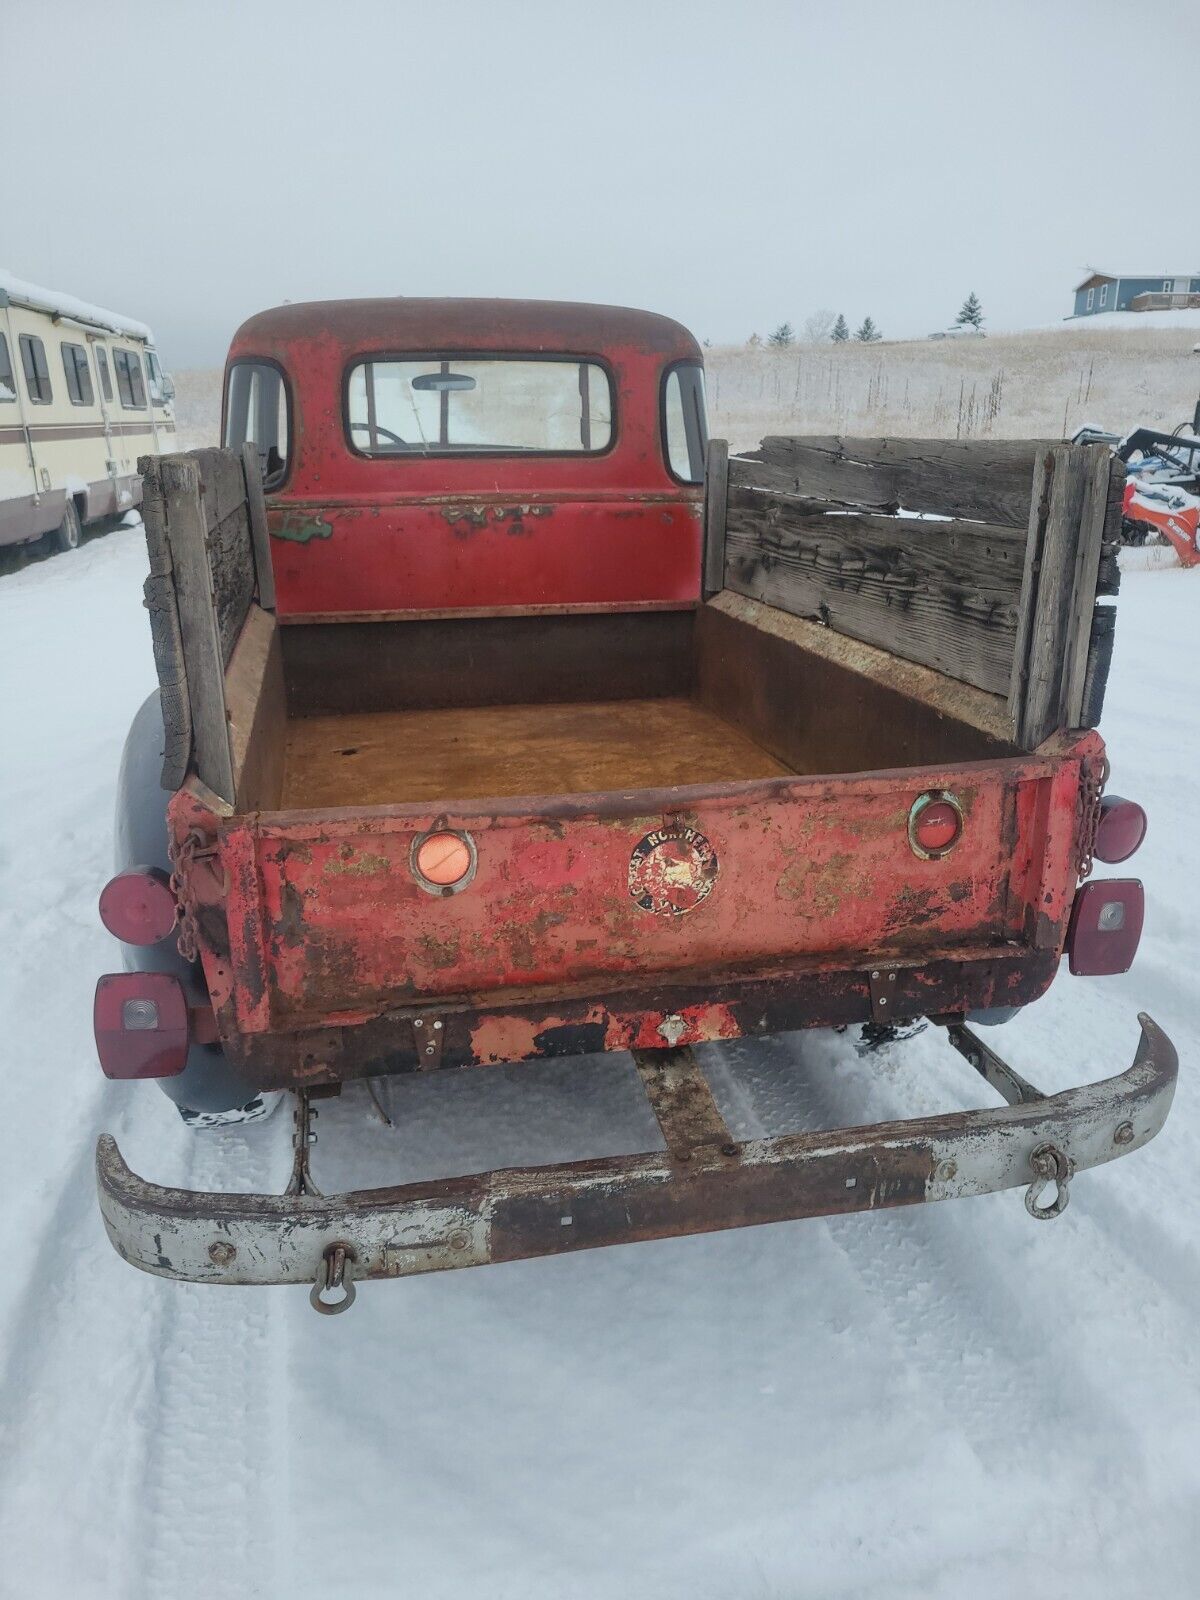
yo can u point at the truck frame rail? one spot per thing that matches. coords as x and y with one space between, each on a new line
704 1180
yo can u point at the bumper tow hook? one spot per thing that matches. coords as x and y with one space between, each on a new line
1051 1166
336 1271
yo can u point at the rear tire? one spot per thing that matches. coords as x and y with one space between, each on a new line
69 533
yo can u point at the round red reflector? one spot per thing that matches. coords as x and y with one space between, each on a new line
1121 830
138 906
935 824
443 859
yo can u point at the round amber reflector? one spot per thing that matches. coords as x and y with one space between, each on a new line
444 859
935 824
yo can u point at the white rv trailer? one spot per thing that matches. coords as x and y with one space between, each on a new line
82 396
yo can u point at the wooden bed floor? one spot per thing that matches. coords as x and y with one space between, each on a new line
390 757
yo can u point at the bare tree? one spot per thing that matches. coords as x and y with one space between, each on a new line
819 327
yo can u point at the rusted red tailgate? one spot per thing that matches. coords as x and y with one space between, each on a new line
327 922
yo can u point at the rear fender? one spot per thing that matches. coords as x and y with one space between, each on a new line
207 1083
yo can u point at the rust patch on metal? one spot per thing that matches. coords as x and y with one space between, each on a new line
464 520
362 866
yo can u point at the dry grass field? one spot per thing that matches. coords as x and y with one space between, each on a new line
1007 386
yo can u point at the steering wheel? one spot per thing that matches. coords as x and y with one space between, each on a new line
365 427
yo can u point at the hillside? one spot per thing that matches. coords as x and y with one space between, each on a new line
1038 384
1041 385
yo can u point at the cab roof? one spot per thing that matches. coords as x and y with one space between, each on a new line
405 323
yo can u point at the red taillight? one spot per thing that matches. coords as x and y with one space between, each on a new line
1121 829
138 906
1106 925
935 824
142 1025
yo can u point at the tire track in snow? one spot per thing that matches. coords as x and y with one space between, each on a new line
213 1487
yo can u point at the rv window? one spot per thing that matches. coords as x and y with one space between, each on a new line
8 384
685 431
37 373
129 380
102 369
256 412
79 375
154 373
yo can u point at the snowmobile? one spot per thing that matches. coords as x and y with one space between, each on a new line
1161 502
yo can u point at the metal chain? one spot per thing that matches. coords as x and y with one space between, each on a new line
1094 777
181 857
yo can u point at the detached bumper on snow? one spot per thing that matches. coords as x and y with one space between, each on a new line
703 1181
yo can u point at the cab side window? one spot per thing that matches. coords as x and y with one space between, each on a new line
684 424
78 374
256 412
37 373
129 380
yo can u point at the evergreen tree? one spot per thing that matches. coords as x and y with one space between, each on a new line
972 312
783 336
868 333
841 330
753 342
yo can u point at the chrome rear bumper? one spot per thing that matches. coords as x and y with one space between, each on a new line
703 1181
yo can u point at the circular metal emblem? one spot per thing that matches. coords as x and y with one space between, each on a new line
671 870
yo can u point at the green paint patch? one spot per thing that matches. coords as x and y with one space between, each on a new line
299 529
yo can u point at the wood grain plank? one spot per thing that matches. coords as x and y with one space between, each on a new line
716 485
1039 511
165 632
1089 549
985 480
260 539
257 713
179 476
472 752
223 485
1048 592
942 594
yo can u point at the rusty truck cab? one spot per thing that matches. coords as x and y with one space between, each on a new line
473 456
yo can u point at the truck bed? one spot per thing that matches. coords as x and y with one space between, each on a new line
427 713
468 752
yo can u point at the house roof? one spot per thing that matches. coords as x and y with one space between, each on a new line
1095 278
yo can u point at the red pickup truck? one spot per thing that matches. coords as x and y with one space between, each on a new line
502 715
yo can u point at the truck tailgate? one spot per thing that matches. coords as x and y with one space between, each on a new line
327 921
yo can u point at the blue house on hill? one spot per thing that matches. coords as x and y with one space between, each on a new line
1100 292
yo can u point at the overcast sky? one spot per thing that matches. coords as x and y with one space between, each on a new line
733 165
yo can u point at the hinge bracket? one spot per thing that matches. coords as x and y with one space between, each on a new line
429 1037
882 981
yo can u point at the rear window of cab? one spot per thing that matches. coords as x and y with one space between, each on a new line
475 405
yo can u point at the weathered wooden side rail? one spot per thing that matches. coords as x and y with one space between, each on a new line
206 531
983 560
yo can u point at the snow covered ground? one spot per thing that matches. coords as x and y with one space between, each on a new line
947 1401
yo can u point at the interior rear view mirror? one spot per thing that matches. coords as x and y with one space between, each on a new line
442 382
